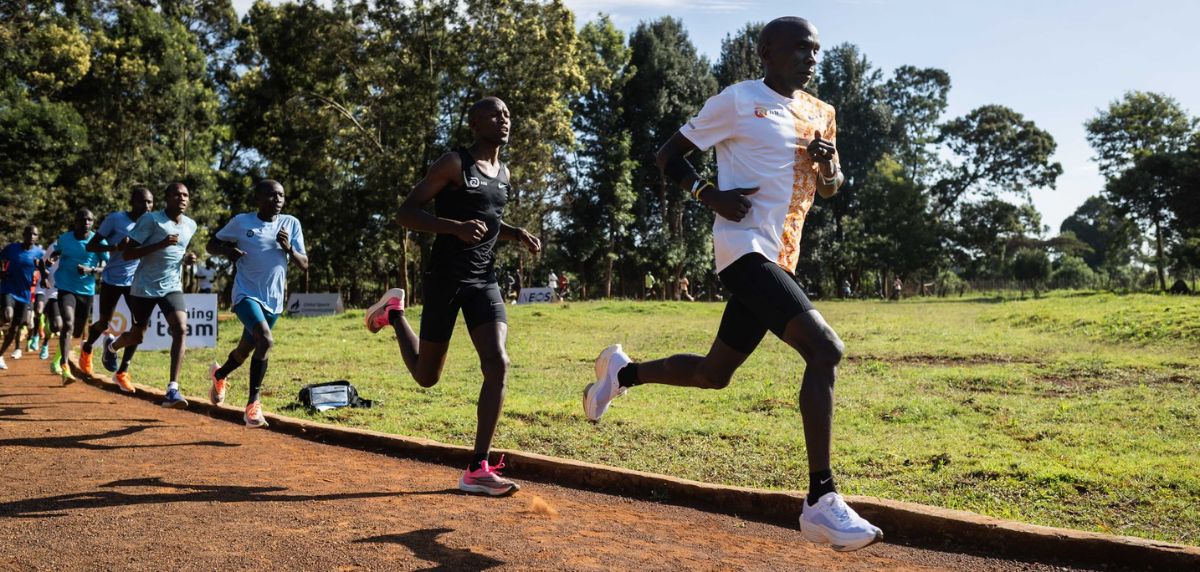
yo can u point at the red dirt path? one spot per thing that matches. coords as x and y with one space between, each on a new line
95 480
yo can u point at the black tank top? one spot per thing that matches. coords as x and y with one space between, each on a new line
477 196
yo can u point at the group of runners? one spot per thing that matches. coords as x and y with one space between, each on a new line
775 147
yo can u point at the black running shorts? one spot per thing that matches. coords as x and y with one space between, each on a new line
764 297
142 308
480 304
110 295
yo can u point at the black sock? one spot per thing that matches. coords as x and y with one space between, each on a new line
394 316
126 358
477 462
628 376
225 369
258 370
820 483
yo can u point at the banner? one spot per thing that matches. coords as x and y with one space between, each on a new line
315 304
201 322
534 295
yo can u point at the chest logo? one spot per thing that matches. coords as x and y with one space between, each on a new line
249 233
762 112
473 183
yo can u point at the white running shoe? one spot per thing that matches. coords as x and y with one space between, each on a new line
597 395
377 314
17 353
832 521
2 364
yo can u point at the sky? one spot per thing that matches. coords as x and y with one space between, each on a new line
1057 62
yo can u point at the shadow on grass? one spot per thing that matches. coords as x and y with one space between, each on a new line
424 545
57 505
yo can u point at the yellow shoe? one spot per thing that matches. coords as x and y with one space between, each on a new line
85 363
123 381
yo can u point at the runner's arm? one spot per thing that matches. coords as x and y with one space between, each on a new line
518 234
218 247
99 244
446 171
136 250
672 161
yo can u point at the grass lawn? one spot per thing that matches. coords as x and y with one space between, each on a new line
1076 410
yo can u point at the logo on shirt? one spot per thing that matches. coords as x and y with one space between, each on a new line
762 112
250 233
473 183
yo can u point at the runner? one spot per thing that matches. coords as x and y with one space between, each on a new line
52 317
159 240
775 150
260 244
469 188
76 283
37 307
20 262
115 282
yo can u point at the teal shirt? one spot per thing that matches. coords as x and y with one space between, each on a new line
73 252
158 273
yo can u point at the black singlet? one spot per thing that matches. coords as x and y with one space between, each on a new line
477 196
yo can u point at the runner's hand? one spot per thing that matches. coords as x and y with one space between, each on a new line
531 242
731 205
284 240
189 258
170 240
821 150
471 231
235 253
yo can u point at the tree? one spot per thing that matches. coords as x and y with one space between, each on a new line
670 84
1031 268
1072 272
916 97
895 230
1112 237
985 231
1138 140
599 208
995 151
739 60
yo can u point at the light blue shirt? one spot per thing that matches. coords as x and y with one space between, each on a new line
113 230
158 273
73 252
262 272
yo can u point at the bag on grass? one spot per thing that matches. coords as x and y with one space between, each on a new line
331 395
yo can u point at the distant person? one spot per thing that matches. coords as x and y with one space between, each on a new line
51 315
564 286
160 241
552 282
879 288
897 289
846 291
19 262
205 274
649 283
683 289
774 133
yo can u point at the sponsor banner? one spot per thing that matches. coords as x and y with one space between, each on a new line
534 295
201 322
315 304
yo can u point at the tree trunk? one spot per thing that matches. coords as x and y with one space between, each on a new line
1158 255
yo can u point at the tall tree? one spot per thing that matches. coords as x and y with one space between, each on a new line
739 59
917 98
670 84
1137 140
1111 236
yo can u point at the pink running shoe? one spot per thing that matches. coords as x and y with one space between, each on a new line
377 314
487 480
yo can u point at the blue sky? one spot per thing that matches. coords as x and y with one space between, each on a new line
1054 61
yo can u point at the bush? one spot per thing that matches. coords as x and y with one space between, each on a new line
1073 273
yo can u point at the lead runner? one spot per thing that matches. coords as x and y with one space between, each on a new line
775 151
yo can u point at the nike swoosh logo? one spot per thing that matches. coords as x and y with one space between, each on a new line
823 481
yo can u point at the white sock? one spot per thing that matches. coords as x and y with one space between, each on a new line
173 385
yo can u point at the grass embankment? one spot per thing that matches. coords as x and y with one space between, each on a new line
1079 411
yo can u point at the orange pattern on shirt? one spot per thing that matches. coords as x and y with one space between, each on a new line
804 110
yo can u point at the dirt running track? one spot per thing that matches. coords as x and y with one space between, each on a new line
94 480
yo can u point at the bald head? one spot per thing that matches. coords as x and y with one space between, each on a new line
788 47
266 186
269 194
141 200
489 121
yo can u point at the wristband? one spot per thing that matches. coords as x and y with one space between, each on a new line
698 186
830 181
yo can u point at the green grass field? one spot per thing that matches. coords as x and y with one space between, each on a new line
1075 410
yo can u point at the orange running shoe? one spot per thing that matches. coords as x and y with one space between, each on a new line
85 363
216 392
123 381
254 415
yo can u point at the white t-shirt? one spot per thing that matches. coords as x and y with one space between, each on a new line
204 275
761 139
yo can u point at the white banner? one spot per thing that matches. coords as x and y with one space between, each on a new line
534 295
315 304
201 322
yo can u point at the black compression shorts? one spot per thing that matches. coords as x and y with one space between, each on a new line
764 297
480 304
142 308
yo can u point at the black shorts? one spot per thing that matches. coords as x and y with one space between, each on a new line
17 309
80 305
763 297
480 304
142 308
109 296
